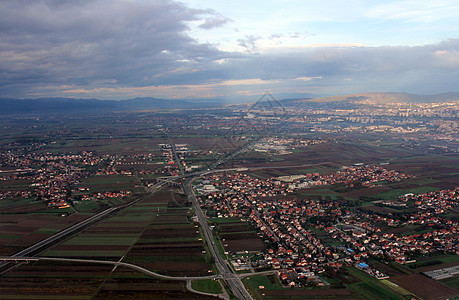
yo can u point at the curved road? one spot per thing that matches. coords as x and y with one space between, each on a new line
105 262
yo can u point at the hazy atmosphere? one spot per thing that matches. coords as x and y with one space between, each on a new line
217 49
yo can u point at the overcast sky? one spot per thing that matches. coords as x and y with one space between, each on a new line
119 49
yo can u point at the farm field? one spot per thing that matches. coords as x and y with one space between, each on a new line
452 282
56 280
19 233
269 287
107 145
172 245
207 286
424 287
103 183
155 233
63 280
239 236
429 172
402 278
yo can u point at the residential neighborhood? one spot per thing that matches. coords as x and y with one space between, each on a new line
305 236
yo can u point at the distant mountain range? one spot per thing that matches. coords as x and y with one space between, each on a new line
72 105
388 98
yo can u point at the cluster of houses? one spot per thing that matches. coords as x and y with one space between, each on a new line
434 203
311 234
364 175
52 176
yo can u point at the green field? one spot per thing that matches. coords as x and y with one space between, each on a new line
223 220
164 258
452 282
270 282
370 287
207 286
399 192
434 260
79 253
103 239
105 183
371 290
11 202
10 236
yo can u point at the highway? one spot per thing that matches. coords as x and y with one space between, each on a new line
60 234
226 273
72 229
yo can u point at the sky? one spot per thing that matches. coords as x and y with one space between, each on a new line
199 49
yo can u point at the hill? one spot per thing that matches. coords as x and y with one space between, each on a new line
389 98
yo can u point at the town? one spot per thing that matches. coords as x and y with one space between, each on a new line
325 202
355 234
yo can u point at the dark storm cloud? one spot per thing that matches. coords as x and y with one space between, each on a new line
78 42
46 46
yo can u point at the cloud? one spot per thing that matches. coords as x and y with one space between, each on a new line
215 21
81 42
249 43
415 11
116 49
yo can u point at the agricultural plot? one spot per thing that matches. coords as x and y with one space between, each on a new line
15 184
269 287
64 280
325 238
239 236
171 245
424 287
113 237
108 239
125 283
17 233
152 233
452 282
395 193
20 205
57 280
207 285
372 288
106 145
107 183
429 263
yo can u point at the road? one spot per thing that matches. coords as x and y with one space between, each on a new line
60 234
176 157
226 273
74 228
105 262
